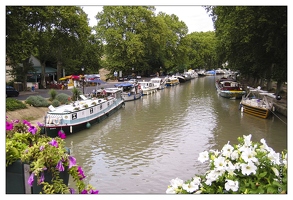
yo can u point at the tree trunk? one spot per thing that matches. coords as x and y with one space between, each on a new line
279 87
43 74
268 76
59 69
24 76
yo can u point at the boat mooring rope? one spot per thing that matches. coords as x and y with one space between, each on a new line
278 117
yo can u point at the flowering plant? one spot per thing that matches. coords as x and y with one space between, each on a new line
246 168
45 155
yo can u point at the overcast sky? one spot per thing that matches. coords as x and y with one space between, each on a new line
195 17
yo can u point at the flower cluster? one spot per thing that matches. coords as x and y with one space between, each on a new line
246 168
45 155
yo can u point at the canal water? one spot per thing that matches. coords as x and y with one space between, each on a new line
140 148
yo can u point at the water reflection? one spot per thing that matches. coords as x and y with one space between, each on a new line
152 140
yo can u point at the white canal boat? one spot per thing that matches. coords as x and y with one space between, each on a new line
81 114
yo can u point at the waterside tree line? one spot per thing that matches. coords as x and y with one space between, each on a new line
250 39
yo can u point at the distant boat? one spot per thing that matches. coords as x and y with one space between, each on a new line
158 82
258 103
130 91
201 73
229 88
147 87
172 81
81 114
210 73
180 78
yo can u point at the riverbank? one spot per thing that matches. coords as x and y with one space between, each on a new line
31 114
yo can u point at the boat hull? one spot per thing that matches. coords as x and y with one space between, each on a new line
131 97
231 94
254 110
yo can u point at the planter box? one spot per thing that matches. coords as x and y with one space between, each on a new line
17 176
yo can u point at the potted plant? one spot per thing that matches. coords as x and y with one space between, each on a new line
246 168
50 163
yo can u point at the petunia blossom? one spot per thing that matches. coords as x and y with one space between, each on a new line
84 192
80 172
40 124
71 190
26 122
248 168
32 130
227 150
203 156
54 143
31 179
171 190
42 148
72 161
60 166
94 191
9 126
220 163
61 134
190 187
231 185
177 182
42 178
249 155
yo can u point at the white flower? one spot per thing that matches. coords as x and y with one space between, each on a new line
231 185
203 156
234 155
275 171
227 150
177 182
248 168
215 152
247 140
220 163
213 176
274 157
249 155
196 180
171 190
265 146
285 160
230 168
191 187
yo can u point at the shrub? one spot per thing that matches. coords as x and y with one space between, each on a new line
14 104
52 94
75 94
63 98
56 103
37 101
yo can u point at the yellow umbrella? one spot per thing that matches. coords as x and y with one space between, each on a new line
64 78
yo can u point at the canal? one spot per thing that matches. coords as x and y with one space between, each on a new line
140 148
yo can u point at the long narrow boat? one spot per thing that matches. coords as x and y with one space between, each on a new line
257 103
81 114
229 88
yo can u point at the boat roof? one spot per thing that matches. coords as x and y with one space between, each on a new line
123 85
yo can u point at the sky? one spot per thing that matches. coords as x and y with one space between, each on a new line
195 17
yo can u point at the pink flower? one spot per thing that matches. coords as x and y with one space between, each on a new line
9 126
61 134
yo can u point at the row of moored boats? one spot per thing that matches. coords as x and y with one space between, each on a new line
86 111
254 101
